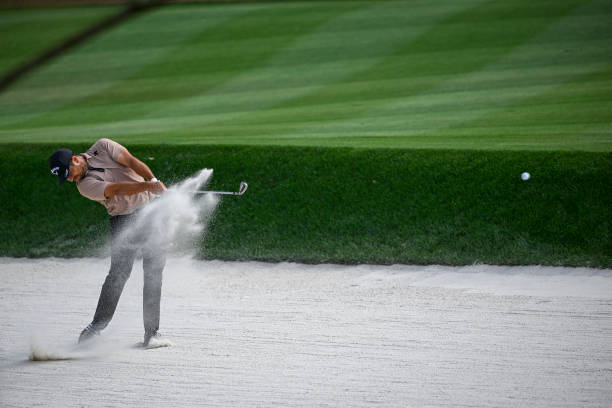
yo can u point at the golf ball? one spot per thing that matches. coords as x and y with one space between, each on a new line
525 176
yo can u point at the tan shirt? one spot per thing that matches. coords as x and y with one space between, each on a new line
103 154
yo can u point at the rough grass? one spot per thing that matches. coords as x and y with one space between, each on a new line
471 74
344 205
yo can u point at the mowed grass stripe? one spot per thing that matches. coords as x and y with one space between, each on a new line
517 86
368 74
26 33
330 51
283 74
280 75
440 52
576 76
331 112
219 53
382 119
351 52
85 76
462 45
582 99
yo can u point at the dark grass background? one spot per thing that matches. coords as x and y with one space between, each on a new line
343 205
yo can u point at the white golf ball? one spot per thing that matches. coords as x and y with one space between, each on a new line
525 176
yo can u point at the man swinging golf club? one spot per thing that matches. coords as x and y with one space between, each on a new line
109 174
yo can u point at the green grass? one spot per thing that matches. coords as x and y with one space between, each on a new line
344 205
26 33
472 74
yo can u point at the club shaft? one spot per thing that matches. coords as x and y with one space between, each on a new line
214 192
243 187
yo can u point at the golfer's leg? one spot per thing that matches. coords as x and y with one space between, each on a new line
153 263
122 261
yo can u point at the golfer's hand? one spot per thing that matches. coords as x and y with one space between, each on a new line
158 187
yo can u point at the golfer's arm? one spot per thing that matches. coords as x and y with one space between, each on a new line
129 188
127 160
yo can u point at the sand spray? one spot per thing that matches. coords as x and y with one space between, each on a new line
176 220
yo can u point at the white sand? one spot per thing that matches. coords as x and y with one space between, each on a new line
287 335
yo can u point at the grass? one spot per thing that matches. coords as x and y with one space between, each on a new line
345 205
25 33
474 74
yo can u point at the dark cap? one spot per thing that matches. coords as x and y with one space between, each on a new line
59 163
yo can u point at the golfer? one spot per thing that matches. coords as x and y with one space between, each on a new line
109 174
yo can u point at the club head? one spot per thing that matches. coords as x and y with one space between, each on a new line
243 187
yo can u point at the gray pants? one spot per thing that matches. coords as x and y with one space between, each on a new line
124 250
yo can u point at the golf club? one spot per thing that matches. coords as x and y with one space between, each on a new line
241 190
